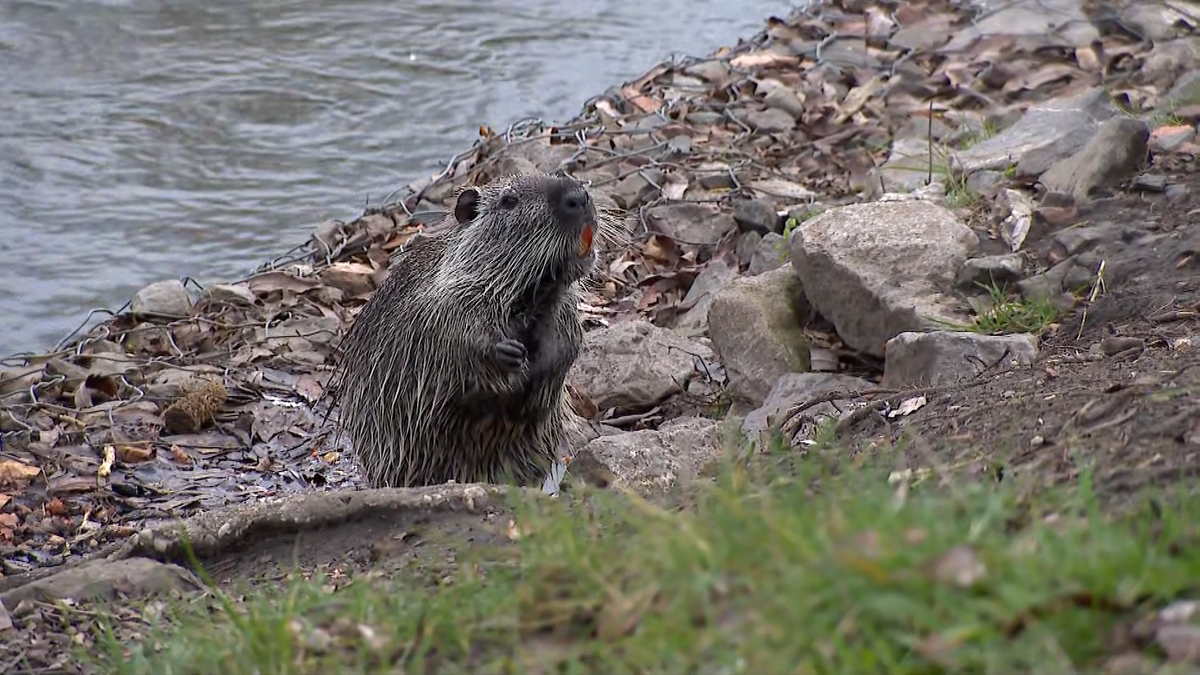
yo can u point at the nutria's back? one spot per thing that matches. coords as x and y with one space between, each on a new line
454 370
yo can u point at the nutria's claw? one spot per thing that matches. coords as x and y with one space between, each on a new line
510 353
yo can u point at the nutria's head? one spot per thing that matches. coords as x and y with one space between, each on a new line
518 232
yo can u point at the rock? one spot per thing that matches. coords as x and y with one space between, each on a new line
541 154
770 254
924 35
1057 22
511 165
879 269
1114 153
232 294
770 121
944 357
989 270
1185 92
755 215
755 326
1017 222
1180 642
1165 140
1167 61
1154 21
783 98
1052 285
635 365
1082 238
907 166
691 223
711 71
793 389
704 118
981 182
1046 133
1150 183
104 580
747 244
162 298
715 276
649 462
714 176
636 189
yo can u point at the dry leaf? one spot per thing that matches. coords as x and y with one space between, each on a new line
105 469
12 471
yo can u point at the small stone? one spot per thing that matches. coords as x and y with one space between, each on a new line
1185 92
981 182
1151 183
746 246
1116 151
650 462
1164 140
756 215
943 357
714 176
715 276
636 189
162 298
1113 345
783 98
907 166
690 223
232 294
1180 642
926 34
1037 441
705 118
794 388
1048 284
770 254
988 270
1078 239
1154 21
711 71
634 365
770 121
755 327
1046 133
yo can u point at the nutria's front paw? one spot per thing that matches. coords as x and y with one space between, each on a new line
510 354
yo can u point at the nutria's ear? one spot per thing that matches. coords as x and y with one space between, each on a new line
467 206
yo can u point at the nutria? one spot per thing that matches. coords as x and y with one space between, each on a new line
455 368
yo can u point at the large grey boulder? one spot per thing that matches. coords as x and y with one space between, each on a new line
877 270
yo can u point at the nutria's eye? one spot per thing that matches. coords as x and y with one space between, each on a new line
508 201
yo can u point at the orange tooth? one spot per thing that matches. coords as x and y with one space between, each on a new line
585 240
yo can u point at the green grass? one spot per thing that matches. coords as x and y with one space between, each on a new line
1008 313
786 564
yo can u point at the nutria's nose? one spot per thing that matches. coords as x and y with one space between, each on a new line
571 201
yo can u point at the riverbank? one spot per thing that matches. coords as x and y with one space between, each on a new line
847 179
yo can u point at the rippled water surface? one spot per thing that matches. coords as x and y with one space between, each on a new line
151 139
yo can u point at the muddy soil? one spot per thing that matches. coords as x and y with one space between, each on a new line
1117 384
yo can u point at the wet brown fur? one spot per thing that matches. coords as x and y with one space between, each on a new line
421 396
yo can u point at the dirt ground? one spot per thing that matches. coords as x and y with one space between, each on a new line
1116 385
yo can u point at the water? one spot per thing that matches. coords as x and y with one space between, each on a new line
151 139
